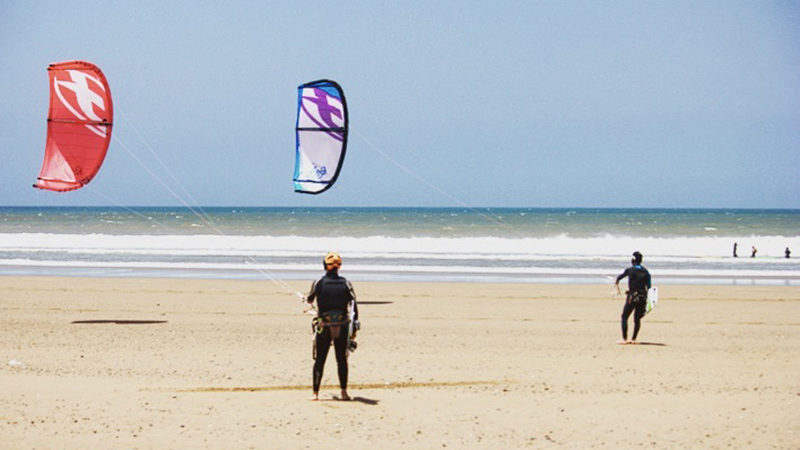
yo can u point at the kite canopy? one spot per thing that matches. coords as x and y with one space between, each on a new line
78 126
321 137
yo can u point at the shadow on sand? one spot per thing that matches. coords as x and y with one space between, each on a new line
119 322
366 401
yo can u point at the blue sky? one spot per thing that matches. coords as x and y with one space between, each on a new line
496 103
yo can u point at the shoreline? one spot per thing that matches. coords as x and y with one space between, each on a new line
166 363
535 276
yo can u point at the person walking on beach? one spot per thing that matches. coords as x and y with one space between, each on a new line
335 296
788 253
735 244
636 298
753 252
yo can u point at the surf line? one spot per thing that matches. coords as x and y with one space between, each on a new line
394 385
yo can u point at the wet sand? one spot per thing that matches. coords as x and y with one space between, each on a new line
160 363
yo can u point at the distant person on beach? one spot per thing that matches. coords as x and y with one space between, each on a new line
753 252
333 295
788 253
735 244
636 296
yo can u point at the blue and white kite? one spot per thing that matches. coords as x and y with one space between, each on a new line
321 136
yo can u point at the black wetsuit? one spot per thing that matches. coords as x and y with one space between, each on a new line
332 293
636 300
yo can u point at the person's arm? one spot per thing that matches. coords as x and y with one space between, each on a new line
355 303
620 277
312 294
648 280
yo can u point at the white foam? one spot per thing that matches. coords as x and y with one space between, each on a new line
415 247
383 257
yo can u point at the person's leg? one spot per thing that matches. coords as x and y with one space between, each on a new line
641 306
323 343
626 312
340 348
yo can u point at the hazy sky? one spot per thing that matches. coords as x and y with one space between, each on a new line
495 103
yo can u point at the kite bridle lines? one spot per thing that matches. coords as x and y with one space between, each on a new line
196 210
435 187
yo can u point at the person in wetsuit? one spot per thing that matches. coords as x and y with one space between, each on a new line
636 298
333 294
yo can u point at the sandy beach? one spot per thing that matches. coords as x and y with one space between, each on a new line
163 363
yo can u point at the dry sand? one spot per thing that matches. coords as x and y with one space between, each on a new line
157 363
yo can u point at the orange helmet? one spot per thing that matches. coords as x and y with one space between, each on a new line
332 260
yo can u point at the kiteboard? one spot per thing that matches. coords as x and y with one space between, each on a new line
652 300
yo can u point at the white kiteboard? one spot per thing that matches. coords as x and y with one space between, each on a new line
652 300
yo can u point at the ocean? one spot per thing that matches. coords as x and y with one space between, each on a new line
519 245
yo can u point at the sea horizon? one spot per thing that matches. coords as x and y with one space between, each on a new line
468 207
